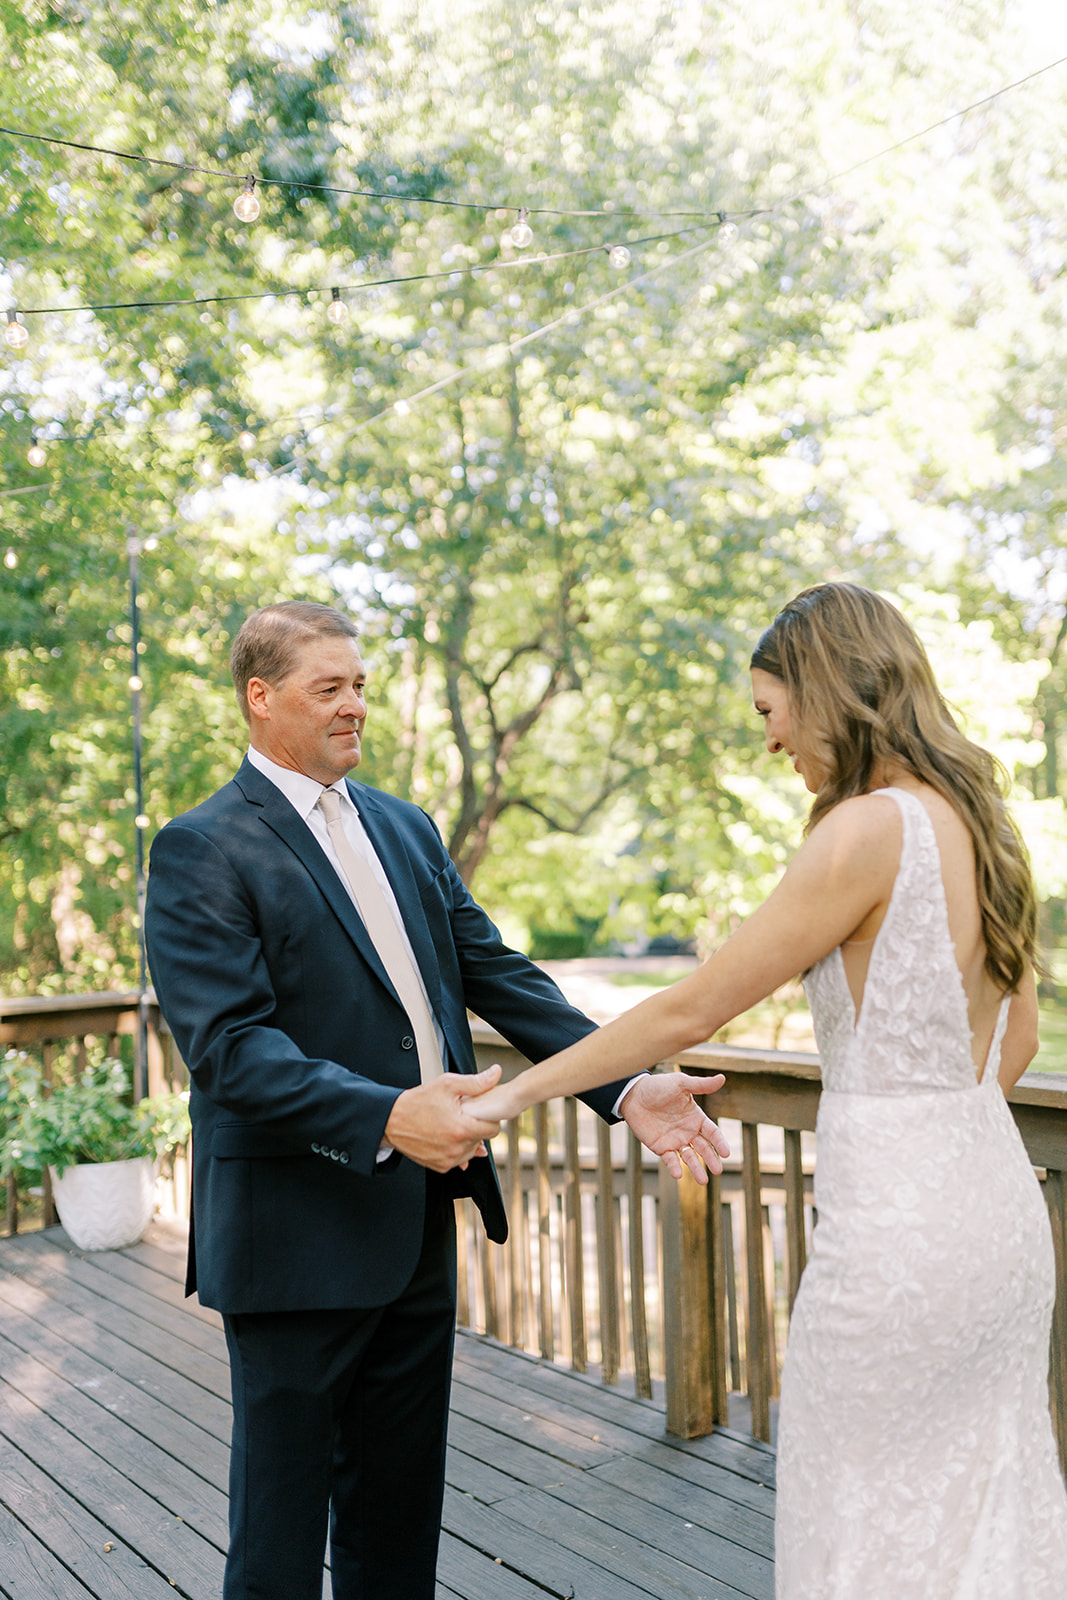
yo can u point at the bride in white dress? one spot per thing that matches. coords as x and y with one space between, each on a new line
916 1457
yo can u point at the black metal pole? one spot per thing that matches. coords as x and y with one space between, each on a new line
140 1051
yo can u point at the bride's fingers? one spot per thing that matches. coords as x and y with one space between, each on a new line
672 1163
695 1164
708 1153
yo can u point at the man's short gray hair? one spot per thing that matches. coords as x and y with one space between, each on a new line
269 640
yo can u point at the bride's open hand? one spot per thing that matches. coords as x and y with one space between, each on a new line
661 1111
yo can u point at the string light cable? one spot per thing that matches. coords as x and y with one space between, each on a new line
250 181
726 226
248 207
718 220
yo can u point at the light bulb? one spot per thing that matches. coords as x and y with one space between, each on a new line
246 440
246 206
619 256
15 332
401 408
336 311
141 821
522 233
136 682
11 559
728 230
35 454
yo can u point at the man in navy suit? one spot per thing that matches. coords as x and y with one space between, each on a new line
329 1135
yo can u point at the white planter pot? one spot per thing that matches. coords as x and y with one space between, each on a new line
107 1204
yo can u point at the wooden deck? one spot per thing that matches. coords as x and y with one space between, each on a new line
114 1426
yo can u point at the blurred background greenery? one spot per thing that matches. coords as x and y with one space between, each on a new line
561 560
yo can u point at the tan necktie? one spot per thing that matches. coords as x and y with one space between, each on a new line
382 926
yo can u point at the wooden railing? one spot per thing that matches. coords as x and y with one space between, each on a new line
705 1276
610 1265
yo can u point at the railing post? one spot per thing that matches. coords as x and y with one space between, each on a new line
689 1333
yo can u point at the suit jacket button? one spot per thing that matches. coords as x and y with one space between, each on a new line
316 1149
334 1155
407 1042
343 1158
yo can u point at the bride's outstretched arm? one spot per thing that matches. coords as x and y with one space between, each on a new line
843 872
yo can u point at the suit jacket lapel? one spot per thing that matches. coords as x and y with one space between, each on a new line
392 853
286 823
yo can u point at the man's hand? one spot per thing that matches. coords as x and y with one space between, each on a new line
429 1124
663 1114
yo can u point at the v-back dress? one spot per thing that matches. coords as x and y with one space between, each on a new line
915 1451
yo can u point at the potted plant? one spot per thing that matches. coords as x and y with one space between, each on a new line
100 1149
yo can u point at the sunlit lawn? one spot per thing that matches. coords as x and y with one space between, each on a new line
1052 1056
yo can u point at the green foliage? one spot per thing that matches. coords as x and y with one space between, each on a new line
561 561
88 1119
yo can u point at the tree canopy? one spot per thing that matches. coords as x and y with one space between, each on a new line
561 494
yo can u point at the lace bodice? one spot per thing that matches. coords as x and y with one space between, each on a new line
912 1031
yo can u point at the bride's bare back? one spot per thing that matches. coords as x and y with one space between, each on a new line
958 875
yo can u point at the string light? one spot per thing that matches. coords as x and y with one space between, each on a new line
15 333
11 559
619 256
246 206
522 233
246 439
35 454
728 231
336 311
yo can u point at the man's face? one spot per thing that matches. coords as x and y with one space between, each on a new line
312 722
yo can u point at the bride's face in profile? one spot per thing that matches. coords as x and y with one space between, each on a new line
771 700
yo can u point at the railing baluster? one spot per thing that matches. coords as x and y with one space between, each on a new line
768 1280
48 1204
730 1264
716 1289
516 1231
756 1343
796 1247
575 1253
546 1318
487 1258
607 1291
638 1316
463 1305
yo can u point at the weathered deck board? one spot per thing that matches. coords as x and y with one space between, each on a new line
114 1424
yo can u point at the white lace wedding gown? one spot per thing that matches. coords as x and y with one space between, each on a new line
915 1450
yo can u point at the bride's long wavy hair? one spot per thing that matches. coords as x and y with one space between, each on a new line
863 696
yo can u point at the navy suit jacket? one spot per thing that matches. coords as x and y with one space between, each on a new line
297 1045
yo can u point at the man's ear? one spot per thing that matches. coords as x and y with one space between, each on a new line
258 694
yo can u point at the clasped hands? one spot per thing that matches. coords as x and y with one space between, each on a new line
445 1123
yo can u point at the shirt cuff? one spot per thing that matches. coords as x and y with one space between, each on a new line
616 1109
